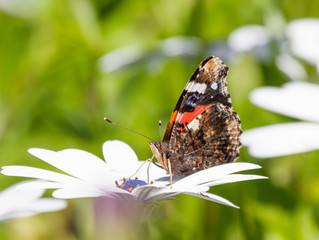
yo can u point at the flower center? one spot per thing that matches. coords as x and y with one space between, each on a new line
130 184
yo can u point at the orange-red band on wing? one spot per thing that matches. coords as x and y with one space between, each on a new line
173 118
170 125
187 117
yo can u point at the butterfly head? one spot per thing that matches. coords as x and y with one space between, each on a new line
159 150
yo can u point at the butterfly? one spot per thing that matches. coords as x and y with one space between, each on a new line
203 130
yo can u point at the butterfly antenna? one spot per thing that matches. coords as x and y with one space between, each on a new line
160 129
109 121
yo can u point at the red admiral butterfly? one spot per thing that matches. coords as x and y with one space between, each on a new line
203 130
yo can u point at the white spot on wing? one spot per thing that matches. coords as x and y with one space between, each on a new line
193 124
214 85
199 87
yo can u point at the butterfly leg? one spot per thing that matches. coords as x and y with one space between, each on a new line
170 172
147 160
148 170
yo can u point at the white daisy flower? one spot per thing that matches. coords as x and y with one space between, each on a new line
180 46
89 176
296 99
151 57
303 36
248 37
16 203
23 8
291 67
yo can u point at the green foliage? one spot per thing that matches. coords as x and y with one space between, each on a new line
53 95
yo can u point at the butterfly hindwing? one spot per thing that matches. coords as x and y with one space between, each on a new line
212 138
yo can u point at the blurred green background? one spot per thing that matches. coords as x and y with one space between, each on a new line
55 91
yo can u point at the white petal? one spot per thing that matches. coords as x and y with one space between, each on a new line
119 58
15 202
16 214
78 163
214 198
181 45
214 173
304 37
247 38
19 213
61 180
119 156
77 189
291 67
84 191
281 139
38 184
181 189
146 193
22 8
11 198
85 188
156 196
234 178
295 99
159 183
69 193
8 192
24 171
191 188
88 167
48 205
153 193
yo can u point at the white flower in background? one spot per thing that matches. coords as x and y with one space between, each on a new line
252 39
119 58
248 38
16 202
296 99
180 45
303 36
89 176
256 39
23 8
291 67
152 56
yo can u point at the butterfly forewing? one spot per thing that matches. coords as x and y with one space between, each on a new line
203 130
183 103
